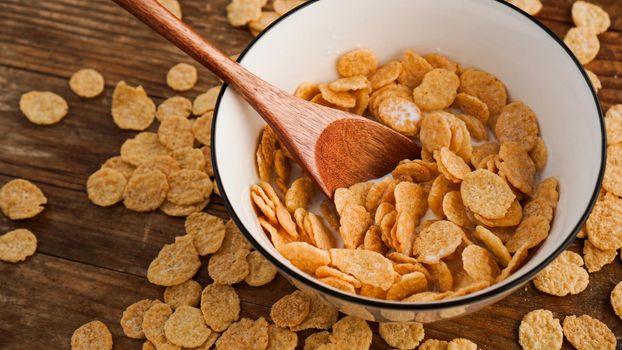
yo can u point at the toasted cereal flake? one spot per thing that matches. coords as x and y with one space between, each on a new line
440 187
234 239
461 344
616 299
472 106
519 124
476 128
189 158
482 151
414 69
175 133
338 284
338 98
173 6
318 233
299 195
583 43
145 191
517 167
451 165
245 335
211 340
437 90
440 275
182 77
373 240
118 164
352 333
176 106
189 186
439 61
485 87
154 320
540 330
93 335
315 340
282 169
547 190
325 271
532 7
143 147
175 263
596 258
308 90
166 164
349 84
229 267
132 319
356 63
291 310
21 199
531 231
186 327
596 84
366 266
202 128
485 193
590 16
433 344
512 218
206 102
355 220
185 294
283 6
415 171
281 339
587 333
207 232
172 209
437 241
539 154
209 169
613 123
17 245
385 75
105 187
391 90
400 114
612 182
565 275
454 210
43 107
258 25
478 264
132 109
402 335
241 12
407 285
321 315
604 225
220 305
436 131
493 243
87 83
261 271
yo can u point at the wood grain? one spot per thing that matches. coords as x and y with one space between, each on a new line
91 261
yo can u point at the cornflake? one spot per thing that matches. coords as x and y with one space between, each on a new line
532 7
414 69
188 187
265 19
604 225
299 195
189 158
132 318
596 258
616 299
400 114
291 310
202 128
92 335
565 275
407 285
405 335
433 344
118 164
154 320
87 83
478 264
229 267
583 43
437 91
142 148
493 243
17 245
132 109
485 193
185 294
539 330
175 133
186 327
206 102
352 333
461 344
437 241
241 12
366 266
176 106
220 306
207 232
357 63
440 61
175 263
283 6
261 271
105 187
385 75
245 335
281 339
516 166
485 87
531 231
43 107
596 84
586 333
315 340
145 191
321 315
21 199
585 14
613 122
182 77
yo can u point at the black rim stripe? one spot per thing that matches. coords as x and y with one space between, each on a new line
377 303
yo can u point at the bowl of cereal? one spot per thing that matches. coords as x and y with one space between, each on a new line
513 154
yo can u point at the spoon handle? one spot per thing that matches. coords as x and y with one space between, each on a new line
257 92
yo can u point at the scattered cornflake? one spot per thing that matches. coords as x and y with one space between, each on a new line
241 12
532 7
437 91
145 191
142 148
182 77
87 83
185 294
583 43
154 320
261 271
587 333
105 187
43 107
132 318
189 158
405 335
604 225
281 338
245 334
590 16
461 344
17 245
131 108
485 87
596 258
616 299
366 266
186 327
220 306
434 344
352 333
315 340
594 80
90 336
21 199
291 310
540 330
229 267
284 6
321 315
175 263
189 186
118 164
207 232
357 63
202 128
176 106
565 275
487 194
613 121
258 25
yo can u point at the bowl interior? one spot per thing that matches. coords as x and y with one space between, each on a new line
484 34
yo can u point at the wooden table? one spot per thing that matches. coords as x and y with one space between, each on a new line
91 262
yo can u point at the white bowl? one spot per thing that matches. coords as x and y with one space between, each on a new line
533 63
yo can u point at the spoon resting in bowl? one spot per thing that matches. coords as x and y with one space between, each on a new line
337 149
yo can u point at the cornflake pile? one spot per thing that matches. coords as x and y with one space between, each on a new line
487 209
257 15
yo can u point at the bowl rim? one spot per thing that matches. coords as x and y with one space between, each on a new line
415 306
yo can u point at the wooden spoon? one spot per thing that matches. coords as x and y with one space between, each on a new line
336 148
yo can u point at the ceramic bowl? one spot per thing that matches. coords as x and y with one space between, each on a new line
535 65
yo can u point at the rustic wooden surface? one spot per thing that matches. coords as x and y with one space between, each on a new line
91 262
